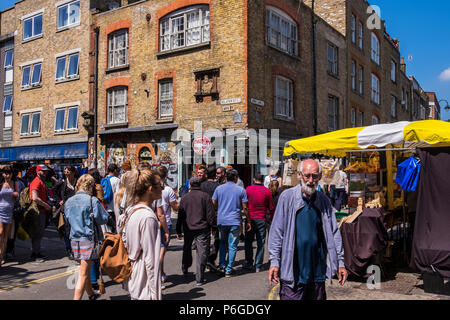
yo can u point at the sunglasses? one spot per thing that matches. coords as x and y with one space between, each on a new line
315 176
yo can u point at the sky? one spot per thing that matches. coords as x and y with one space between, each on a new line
423 29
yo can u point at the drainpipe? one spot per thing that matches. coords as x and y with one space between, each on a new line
314 71
96 31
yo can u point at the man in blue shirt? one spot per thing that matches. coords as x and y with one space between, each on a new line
229 199
305 244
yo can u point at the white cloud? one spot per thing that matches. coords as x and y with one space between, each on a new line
445 75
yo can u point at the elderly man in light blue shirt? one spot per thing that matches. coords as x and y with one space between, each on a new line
305 244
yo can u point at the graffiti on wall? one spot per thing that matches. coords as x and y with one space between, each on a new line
116 153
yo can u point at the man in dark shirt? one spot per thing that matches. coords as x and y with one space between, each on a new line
209 186
196 216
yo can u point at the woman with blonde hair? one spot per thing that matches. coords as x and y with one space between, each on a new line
84 213
141 234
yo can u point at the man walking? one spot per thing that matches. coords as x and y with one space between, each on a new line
229 199
110 185
209 186
196 216
39 194
259 203
220 175
305 245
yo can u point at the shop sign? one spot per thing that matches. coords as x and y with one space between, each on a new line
257 102
230 101
201 145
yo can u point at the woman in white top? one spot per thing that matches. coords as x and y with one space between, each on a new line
273 175
141 235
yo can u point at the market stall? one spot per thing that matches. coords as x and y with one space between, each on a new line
372 154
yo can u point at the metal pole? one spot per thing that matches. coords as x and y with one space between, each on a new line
314 71
96 30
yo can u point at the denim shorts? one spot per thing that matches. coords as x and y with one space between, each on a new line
162 237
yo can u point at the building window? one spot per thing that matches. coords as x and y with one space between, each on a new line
9 60
353 26
7 111
375 49
361 118
353 75
406 100
375 89
353 118
393 71
284 98
361 80
332 59
117 105
69 14
394 107
71 123
184 28
67 67
165 98
118 49
360 35
375 120
30 129
32 27
281 31
333 107
31 75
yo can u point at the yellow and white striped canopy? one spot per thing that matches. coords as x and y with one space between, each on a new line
401 134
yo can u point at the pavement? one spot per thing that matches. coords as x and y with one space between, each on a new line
21 279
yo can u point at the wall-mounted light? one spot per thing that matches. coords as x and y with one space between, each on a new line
143 76
147 91
135 92
148 17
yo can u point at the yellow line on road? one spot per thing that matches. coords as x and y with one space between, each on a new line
26 284
273 294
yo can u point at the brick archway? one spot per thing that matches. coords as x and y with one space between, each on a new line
140 147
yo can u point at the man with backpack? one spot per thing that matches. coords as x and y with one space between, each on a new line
110 185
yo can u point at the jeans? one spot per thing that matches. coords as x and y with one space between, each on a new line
258 229
229 239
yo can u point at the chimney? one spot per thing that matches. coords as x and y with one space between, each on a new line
403 66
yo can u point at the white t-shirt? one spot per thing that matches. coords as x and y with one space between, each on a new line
115 186
268 178
342 177
168 196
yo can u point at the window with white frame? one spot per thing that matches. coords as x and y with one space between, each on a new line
361 119
7 111
281 31
67 67
375 97
65 123
332 51
184 28
353 75
360 35
9 68
284 98
375 52
353 117
69 14
361 79
31 75
165 103
32 27
31 124
117 105
333 113
375 120
118 49
394 106
393 71
353 28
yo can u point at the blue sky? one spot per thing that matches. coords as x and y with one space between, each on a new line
423 28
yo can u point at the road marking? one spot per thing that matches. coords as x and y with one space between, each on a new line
273 293
55 276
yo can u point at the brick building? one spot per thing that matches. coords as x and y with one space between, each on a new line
434 110
49 86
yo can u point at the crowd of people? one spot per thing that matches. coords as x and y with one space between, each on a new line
214 212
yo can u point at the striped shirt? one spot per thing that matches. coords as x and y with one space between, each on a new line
259 201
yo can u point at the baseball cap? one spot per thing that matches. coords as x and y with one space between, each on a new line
42 167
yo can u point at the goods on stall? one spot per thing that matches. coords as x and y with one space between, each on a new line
290 172
330 171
